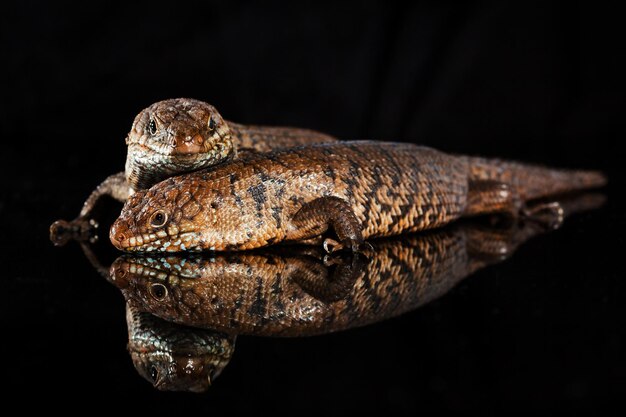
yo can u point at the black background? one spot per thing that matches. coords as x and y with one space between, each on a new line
541 82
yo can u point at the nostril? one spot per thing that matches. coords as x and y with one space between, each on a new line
120 237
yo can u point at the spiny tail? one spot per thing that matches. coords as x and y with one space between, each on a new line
533 181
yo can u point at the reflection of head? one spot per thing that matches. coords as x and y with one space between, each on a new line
174 357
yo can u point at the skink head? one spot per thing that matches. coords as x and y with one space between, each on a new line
166 218
175 136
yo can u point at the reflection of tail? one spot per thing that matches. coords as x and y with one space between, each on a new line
532 181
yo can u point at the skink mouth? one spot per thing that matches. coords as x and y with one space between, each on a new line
146 242
168 151
159 241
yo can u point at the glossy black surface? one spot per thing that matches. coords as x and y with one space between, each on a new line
544 330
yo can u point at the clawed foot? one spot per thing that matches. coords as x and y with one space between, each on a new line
80 229
331 246
550 215
490 245
343 269
341 258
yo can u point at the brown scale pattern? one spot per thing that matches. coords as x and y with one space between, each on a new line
391 187
175 136
190 134
277 293
174 357
532 181
267 138
260 293
295 195
252 292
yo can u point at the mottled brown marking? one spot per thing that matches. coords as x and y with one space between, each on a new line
390 188
293 293
190 135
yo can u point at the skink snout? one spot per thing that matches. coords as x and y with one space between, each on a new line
119 235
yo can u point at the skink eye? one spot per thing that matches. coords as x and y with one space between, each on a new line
158 219
152 127
211 124
154 373
158 291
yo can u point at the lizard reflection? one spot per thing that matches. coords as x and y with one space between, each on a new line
203 302
296 293
174 357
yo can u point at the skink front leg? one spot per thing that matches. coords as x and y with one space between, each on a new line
322 214
83 228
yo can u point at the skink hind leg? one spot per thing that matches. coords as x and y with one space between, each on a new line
549 215
493 197
319 215
495 240
486 197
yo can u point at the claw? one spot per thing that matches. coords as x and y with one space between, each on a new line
80 229
58 234
331 245
550 215
329 260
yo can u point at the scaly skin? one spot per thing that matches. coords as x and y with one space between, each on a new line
359 189
170 356
295 293
276 294
172 137
175 136
181 135
174 357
